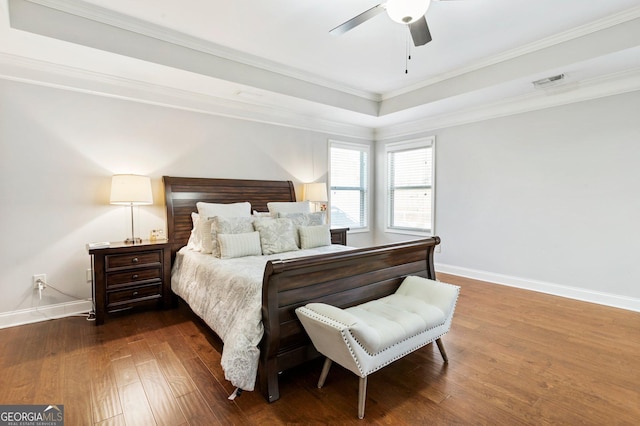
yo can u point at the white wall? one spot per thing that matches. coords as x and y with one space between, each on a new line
545 200
60 148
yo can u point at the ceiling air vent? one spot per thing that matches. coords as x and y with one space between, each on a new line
548 81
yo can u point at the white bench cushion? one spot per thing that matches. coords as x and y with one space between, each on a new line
392 319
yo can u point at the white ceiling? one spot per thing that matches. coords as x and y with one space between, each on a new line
279 53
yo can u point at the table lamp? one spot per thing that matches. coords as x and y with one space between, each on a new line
131 190
316 193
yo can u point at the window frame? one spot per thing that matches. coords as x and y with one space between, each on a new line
362 147
425 142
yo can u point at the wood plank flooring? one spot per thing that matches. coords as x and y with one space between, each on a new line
515 357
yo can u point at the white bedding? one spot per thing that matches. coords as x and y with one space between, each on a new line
227 295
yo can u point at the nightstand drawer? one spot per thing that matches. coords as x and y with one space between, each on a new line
115 298
119 279
117 261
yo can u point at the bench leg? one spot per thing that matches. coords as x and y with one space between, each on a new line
442 351
362 396
324 373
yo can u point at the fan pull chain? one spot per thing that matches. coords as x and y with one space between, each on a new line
407 56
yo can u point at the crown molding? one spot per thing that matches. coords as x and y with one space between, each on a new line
574 33
597 87
17 68
27 70
129 23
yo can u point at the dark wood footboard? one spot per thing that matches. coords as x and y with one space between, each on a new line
342 279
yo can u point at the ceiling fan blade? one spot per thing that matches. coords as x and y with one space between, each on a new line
420 32
354 22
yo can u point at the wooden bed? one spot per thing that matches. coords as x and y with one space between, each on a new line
342 279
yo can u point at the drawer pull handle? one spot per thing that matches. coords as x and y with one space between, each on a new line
134 260
135 293
134 276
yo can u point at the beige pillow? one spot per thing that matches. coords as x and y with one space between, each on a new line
314 236
276 235
239 245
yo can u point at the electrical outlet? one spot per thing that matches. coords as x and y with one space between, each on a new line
89 276
36 281
438 248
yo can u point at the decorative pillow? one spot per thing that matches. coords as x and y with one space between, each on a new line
227 210
194 238
276 235
289 207
314 236
263 214
209 211
228 225
204 232
239 245
305 219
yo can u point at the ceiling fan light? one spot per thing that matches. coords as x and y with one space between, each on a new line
407 11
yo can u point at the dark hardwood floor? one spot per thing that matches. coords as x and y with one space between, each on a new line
515 357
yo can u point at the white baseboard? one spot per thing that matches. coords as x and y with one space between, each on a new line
44 313
608 299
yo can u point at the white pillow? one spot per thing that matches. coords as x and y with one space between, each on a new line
239 245
194 238
314 236
289 207
228 210
264 214
228 225
276 235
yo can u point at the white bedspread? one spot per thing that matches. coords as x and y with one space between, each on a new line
227 295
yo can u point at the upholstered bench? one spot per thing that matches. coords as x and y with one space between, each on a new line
367 337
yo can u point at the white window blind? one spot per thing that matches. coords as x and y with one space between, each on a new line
410 172
349 182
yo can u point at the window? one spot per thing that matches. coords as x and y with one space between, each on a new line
410 190
349 185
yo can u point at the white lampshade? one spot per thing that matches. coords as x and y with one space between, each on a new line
407 11
131 190
315 191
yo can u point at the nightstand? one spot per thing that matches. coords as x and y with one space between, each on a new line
131 276
339 236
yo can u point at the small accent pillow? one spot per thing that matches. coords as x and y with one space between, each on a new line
276 235
305 219
314 236
239 245
289 207
228 225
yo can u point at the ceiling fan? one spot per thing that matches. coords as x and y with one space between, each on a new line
408 12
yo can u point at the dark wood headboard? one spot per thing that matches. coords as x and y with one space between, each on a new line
182 193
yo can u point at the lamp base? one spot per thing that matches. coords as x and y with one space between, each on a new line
133 240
